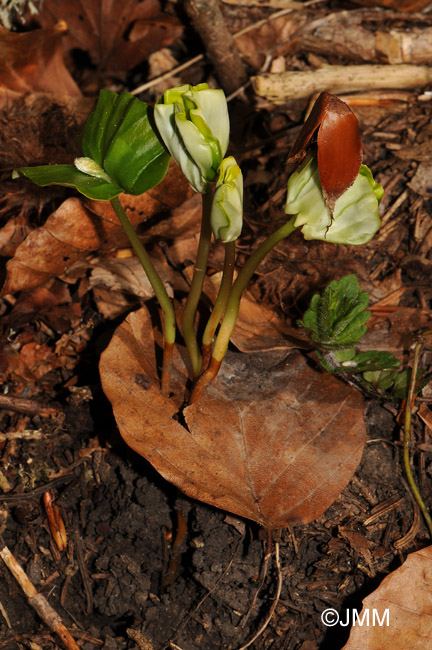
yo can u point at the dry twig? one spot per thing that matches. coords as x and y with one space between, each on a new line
280 88
38 601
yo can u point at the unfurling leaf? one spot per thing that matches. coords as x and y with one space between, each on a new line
354 219
227 209
338 144
194 124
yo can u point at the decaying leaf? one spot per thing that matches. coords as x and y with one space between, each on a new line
395 331
76 229
118 283
255 45
117 36
259 328
270 440
407 597
33 62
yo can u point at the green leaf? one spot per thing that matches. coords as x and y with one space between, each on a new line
337 318
403 381
68 176
382 379
369 361
336 321
355 218
396 383
119 135
119 138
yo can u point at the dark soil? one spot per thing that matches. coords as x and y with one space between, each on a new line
145 564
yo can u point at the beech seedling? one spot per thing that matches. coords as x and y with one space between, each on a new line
126 147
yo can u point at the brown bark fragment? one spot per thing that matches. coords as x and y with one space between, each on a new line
208 21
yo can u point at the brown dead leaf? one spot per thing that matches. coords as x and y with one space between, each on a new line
117 283
116 35
39 358
258 327
76 229
255 46
358 542
270 440
395 331
33 62
127 276
52 306
407 596
12 234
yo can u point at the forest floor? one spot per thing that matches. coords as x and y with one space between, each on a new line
146 566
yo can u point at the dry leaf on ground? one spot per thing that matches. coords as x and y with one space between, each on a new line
76 229
407 595
117 36
270 440
255 45
258 327
116 283
396 330
33 62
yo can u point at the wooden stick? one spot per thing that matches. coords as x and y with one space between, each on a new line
283 87
28 406
208 21
38 601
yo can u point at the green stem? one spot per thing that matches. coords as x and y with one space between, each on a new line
233 306
406 441
158 288
221 301
194 296
240 285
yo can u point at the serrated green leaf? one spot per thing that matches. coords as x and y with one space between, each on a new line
369 361
342 356
337 317
395 382
68 176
